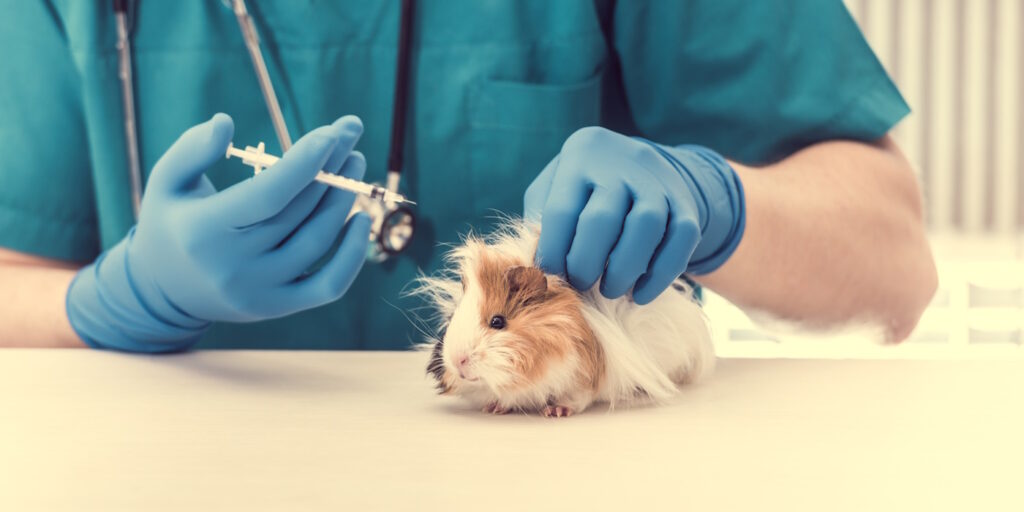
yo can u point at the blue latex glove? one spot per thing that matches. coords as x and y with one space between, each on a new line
634 214
198 256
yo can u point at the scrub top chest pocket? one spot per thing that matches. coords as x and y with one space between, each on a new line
516 129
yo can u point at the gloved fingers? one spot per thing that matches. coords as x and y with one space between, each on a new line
310 241
351 129
537 193
273 231
599 226
645 227
561 213
184 163
334 278
268 193
670 259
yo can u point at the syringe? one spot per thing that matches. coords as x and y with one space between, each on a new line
259 160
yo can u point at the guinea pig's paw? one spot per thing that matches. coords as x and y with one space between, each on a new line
557 411
495 408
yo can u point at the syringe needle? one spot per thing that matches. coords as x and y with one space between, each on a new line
259 160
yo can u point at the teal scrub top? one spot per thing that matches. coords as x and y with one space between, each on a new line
496 87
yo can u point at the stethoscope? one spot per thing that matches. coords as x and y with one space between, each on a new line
393 224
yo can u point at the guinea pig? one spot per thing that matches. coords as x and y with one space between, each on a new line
511 338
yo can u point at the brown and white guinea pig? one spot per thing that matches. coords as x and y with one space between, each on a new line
512 338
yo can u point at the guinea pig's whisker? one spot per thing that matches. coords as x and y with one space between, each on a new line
422 325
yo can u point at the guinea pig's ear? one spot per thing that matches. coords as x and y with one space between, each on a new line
529 281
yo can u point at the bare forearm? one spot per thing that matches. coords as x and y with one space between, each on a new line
834 234
33 313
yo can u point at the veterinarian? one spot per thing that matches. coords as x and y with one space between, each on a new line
744 143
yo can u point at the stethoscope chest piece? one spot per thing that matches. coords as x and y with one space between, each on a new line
392 229
397 229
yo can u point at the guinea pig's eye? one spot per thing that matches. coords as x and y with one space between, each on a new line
497 322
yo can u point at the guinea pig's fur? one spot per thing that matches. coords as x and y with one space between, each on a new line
557 350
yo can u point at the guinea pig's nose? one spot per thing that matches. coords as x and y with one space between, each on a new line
461 363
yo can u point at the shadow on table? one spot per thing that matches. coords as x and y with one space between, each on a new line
456 407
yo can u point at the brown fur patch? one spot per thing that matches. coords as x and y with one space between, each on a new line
543 316
525 284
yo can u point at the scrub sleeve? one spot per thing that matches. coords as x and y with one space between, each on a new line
755 81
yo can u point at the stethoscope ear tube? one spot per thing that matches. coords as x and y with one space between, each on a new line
252 44
124 74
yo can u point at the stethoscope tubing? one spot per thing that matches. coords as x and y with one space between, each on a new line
252 44
124 73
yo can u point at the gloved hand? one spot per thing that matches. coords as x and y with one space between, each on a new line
198 256
634 214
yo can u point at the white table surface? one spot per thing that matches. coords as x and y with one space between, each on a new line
246 430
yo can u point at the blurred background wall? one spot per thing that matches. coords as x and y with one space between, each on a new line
960 65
